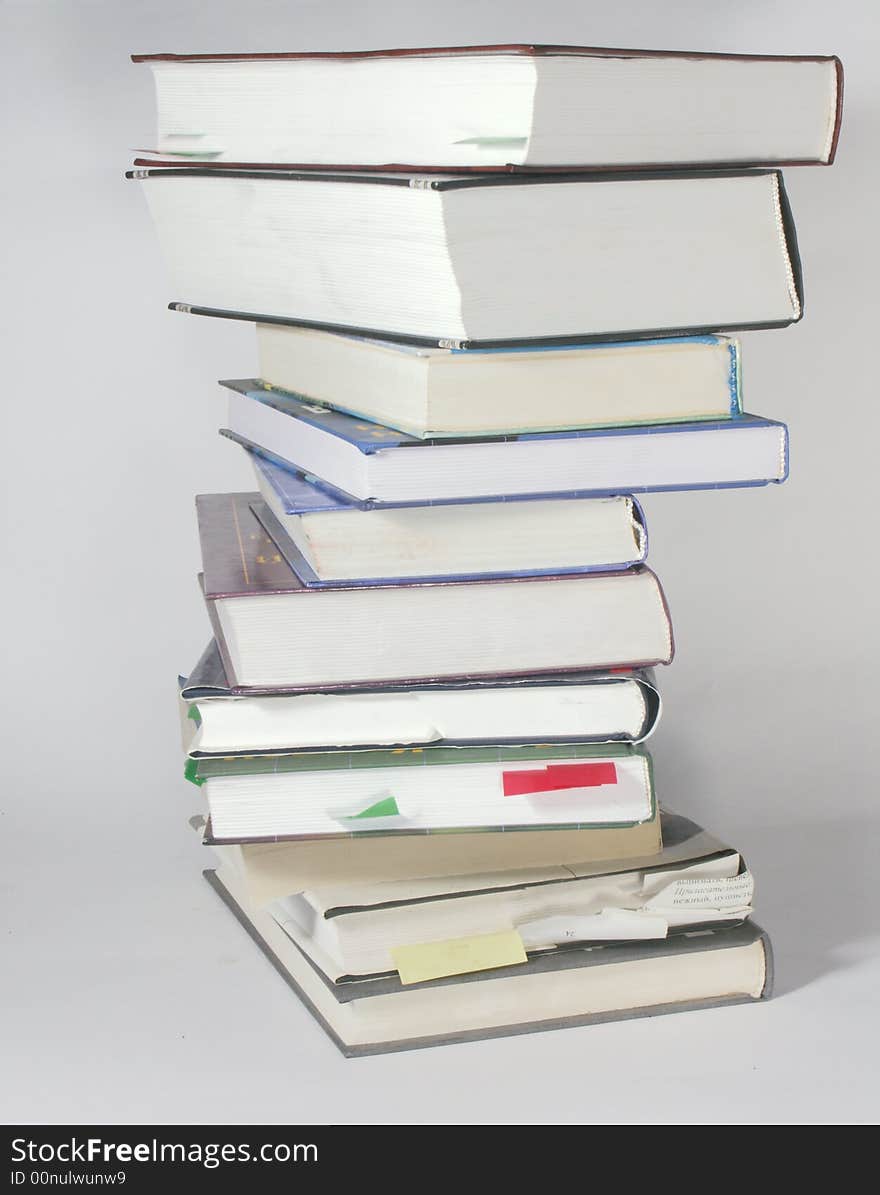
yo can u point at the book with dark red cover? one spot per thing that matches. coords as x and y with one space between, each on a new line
512 51
240 560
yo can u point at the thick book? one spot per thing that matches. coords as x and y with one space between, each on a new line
355 932
273 631
459 541
496 107
565 988
610 707
481 261
371 462
271 869
425 790
434 392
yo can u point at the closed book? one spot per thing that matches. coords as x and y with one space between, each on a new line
481 261
424 790
374 463
562 989
610 707
353 932
496 107
434 392
273 631
271 869
456 541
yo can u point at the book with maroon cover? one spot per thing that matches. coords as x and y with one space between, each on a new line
274 632
496 108
481 261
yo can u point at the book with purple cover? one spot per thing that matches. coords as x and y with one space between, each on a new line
273 631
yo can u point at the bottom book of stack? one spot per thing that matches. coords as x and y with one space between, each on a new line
402 963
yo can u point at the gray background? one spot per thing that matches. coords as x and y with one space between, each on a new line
128 993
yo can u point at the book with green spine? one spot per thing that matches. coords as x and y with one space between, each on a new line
425 790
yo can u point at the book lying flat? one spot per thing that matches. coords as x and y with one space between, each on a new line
419 790
353 933
481 261
491 107
684 842
583 985
273 631
587 708
367 461
463 541
434 392
271 869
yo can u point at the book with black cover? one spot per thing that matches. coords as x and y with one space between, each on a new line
366 462
481 260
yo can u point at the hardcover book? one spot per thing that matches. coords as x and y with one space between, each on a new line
501 107
425 790
368 462
271 868
354 932
434 392
610 707
481 261
273 631
565 988
605 535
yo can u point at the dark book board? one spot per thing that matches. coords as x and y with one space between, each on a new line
743 934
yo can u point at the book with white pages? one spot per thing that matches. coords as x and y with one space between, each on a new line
275 632
434 789
707 968
476 261
366 461
217 720
351 931
435 392
271 868
504 107
330 540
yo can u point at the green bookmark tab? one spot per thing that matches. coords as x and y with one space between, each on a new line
387 807
191 772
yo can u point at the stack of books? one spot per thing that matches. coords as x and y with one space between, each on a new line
493 288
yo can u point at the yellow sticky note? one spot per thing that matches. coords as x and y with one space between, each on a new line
457 956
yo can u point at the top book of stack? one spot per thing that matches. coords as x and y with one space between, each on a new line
496 108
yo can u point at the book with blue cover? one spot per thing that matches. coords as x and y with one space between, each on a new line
367 461
330 541
433 392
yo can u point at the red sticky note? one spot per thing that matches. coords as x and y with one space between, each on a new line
558 777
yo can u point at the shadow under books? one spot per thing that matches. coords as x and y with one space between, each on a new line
815 897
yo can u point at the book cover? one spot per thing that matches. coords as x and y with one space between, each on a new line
313 987
459 181
311 580
208 681
516 50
